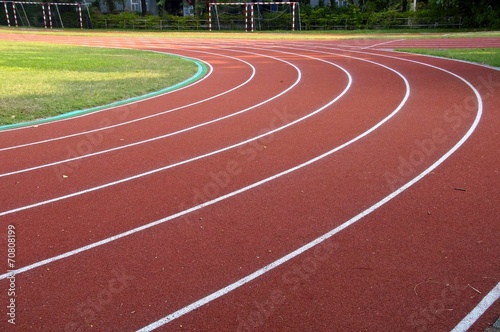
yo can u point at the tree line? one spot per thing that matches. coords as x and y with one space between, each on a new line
471 13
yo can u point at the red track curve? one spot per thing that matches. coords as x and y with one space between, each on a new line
419 262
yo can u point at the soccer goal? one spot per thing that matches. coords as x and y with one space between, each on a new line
44 14
253 16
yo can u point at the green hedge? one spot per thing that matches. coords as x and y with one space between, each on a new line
318 18
127 20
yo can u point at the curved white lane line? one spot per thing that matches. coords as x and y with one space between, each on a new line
109 184
494 294
234 193
324 237
135 102
158 222
175 132
490 298
133 231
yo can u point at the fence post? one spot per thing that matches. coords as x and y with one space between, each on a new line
210 17
44 18
6 13
80 14
15 13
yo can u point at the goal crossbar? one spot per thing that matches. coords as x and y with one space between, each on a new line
249 11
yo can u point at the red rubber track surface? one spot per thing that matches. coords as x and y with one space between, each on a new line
419 262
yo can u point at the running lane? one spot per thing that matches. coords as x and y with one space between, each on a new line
357 126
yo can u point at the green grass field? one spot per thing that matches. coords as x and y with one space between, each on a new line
43 80
487 56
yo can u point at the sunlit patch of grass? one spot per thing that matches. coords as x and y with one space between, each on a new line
42 80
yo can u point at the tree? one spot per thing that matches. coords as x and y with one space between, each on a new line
475 13
110 4
382 5
171 6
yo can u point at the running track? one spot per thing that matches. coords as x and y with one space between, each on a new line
299 186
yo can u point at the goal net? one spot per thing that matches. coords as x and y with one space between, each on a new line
44 15
252 16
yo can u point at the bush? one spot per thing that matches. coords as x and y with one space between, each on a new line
324 17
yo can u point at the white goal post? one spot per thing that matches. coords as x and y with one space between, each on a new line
250 12
19 13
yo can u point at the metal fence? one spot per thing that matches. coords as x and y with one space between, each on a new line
144 24
336 23
382 23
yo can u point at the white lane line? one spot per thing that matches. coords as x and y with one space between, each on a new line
223 291
76 251
221 198
178 163
60 198
161 221
490 298
379 44
175 132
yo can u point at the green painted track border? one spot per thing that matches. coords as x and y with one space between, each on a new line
202 71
